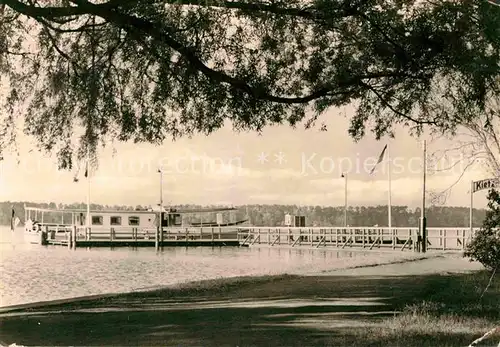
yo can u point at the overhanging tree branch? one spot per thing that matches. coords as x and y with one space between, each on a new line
141 26
54 12
251 62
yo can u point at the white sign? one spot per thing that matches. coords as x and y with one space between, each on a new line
485 184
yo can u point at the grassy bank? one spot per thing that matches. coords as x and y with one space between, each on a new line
448 312
328 310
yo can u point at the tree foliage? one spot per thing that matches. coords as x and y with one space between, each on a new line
485 246
148 70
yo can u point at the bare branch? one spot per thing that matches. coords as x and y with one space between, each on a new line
22 54
489 282
484 337
474 158
448 190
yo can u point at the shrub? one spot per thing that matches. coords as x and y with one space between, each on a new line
485 246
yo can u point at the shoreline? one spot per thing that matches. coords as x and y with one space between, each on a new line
221 281
413 303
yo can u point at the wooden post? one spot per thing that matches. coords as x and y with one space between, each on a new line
72 231
157 238
276 240
161 236
69 238
410 235
393 239
44 235
444 240
74 237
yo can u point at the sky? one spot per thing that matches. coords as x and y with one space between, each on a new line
280 166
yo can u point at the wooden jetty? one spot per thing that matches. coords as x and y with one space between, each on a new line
147 228
402 239
370 238
74 236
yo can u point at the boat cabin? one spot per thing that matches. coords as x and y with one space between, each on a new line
129 219
120 218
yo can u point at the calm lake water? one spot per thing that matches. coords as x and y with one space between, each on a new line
33 273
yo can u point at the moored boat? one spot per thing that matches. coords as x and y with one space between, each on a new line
40 225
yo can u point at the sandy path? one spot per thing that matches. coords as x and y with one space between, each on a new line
435 264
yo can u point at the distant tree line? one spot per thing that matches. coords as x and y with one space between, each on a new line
274 215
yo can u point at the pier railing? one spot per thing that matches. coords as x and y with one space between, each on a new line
403 239
369 238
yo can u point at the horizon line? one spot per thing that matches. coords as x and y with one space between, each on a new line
299 206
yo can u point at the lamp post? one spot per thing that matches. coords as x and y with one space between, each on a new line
161 190
423 222
159 233
344 175
87 175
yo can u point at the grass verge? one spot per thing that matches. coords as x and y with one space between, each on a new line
451 310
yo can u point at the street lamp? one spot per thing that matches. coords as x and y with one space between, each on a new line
344 175
161 196
423 221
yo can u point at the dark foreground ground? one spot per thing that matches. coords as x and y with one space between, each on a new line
327 310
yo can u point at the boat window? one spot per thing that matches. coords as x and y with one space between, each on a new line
177 219
116 220
97 220
134 220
